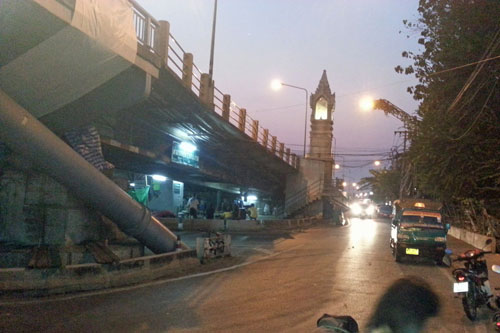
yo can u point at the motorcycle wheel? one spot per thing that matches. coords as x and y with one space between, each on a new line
469 303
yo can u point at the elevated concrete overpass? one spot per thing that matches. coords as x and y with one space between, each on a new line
67 65
138 87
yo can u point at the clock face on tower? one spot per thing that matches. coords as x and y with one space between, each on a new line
321 109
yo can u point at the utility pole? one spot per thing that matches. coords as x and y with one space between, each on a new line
211 66
405 138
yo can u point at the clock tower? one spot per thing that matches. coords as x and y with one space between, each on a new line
322 103
314 180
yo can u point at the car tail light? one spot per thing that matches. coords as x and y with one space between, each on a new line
461 278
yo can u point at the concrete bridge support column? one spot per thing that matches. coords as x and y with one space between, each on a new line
218 200
187 70
226 107
255 130
163 40
242 119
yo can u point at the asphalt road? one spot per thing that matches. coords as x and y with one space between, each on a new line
286 285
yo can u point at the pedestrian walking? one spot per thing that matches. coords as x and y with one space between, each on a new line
192 206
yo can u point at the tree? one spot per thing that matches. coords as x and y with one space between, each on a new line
456 150
384 183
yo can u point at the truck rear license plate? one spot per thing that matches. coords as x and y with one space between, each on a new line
460 287
413 252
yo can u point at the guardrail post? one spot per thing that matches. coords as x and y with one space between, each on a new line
163 40
297 162
187 70
282 150
206 91
294 157
147 34
226 107
273 144
266 138
255 130
242 119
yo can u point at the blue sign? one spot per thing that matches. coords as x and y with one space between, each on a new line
183 156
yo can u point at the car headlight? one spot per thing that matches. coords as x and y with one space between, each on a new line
356 209
370 210
403 236
440 239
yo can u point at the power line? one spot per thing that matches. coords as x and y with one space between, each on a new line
279 108
478 115
466 65
492 46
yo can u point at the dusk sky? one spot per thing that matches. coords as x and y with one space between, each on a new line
357 42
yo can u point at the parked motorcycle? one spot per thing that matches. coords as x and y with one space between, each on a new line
472 281
496 316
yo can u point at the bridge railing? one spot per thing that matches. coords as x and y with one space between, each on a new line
146 28
196 85
154 38
175 57
218 101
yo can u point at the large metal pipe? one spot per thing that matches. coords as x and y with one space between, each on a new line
25 135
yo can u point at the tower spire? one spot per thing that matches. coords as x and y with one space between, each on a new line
323 86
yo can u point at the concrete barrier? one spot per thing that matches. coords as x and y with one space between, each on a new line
238 225
474 239
85 277
93 276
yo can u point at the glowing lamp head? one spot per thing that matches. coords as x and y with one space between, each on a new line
252 198
276 84
337 166
187 147
159 178
344 184
377 163
366 103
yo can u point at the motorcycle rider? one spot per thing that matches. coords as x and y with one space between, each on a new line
403 308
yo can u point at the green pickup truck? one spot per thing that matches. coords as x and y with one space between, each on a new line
417 230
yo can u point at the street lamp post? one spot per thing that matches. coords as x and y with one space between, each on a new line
211 65
276 85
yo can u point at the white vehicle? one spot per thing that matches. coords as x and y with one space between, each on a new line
363 210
